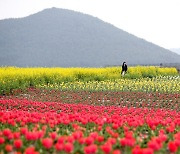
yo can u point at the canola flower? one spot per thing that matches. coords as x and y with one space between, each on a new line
21 78
161 84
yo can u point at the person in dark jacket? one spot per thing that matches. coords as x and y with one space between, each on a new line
124 68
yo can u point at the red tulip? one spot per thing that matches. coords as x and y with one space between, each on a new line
147 151
116 152
18 143
47 143
6 132
23 130
70 139
100 138
154 145
59 146
30 150
127 142
172 146
61 140
1 140
68 147
16 135
53 135
91 149
89 140
8 148
77 134
82 140
115 126
106 148
136 150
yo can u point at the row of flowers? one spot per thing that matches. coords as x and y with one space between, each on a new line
162 84
52 127
20 78
123 99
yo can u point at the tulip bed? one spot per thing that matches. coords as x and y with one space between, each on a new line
52 121
53 127
153 100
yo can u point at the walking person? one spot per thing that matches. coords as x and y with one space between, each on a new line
124 69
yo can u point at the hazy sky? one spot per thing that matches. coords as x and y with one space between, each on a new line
156 21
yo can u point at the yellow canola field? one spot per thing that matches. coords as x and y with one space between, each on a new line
20 78
166 84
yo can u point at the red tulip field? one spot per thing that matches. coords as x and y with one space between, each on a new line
51 121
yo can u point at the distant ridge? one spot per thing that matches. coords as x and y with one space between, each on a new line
63 38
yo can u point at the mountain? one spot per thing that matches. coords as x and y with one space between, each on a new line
176 50
63 38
